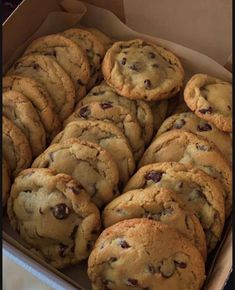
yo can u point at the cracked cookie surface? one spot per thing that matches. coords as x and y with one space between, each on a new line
39 98
138 69
198 192
68 55
88 163
16 148
54 215
140 109
92 47
210 99
18 109
188 148
191 123
158 204
107 136
117 115
160 257
50 74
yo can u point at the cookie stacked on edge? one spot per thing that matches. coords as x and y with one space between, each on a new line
171 211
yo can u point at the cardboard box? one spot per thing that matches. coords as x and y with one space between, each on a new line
31 20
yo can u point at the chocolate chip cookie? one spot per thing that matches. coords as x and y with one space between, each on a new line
184 147
158 204
138 69
144 254
16 148
54 215
69 56
197 191
210 99
191 123
18 109
50 74
139 109
6 183
103 38
107 136
93 48
88 163
119 116
40 99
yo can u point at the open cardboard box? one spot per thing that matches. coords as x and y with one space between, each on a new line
31 20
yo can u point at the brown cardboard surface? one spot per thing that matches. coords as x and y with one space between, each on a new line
203 25
53 18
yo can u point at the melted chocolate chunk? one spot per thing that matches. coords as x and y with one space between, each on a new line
151 269
155 176
181 265
155 65
62 250
179 124
206 110
132 282
151 54
84 112
202 147
106 105
36 66
79 82
136 66
124 244
61 211
113 259
123 61
204 127
147 84
72 236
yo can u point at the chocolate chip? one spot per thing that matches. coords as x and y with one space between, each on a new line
155 65
203 147
72 236
40 210
124 244
206 111
123 61
36 66
152 55
204 127
106 105
147 84
89 246
181 265
113 259
179 124
155 176
84 112
62 250
229 107
79 82
151 269
136 66
132 282
61 211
